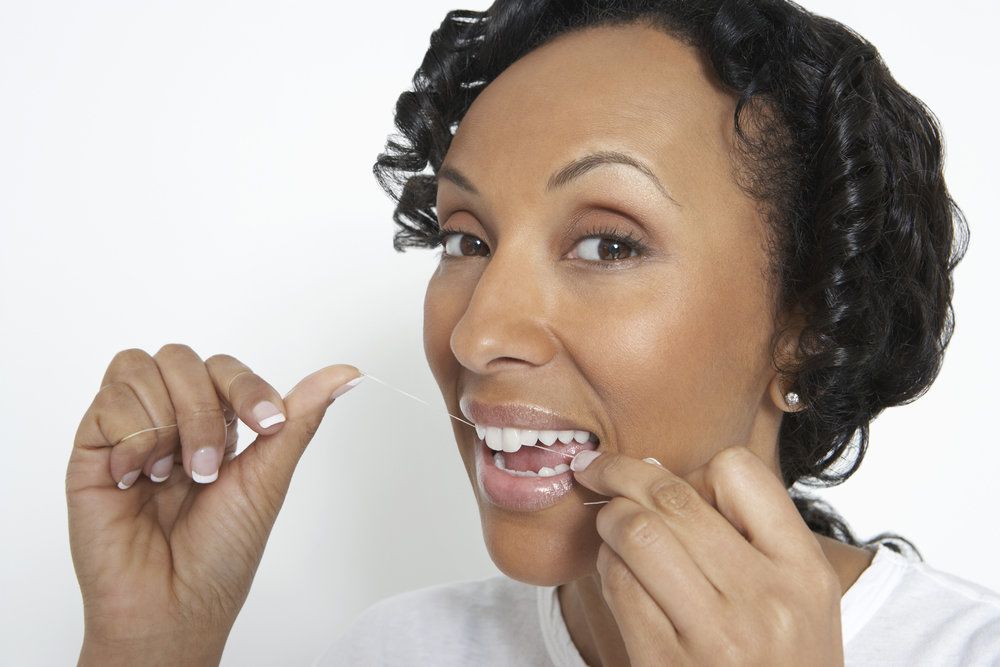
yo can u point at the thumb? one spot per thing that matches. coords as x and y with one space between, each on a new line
274 457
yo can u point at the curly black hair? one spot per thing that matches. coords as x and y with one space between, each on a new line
863 235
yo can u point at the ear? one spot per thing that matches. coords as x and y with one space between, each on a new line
787 357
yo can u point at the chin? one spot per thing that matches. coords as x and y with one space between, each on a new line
547 548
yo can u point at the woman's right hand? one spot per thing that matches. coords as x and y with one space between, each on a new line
164 567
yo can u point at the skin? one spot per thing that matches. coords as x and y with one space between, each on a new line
663 355
164 567
702 559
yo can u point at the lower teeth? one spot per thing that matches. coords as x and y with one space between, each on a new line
544 472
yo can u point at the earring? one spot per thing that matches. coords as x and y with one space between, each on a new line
792 399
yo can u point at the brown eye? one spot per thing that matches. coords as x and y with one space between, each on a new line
605 248
460 244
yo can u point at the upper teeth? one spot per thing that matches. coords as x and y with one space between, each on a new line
509 439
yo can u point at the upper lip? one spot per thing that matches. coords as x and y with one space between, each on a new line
517 415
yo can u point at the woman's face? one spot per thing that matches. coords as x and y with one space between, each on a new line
663 354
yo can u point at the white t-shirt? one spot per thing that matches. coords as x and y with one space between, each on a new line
900 611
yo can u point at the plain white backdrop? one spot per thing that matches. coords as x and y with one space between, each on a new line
200 172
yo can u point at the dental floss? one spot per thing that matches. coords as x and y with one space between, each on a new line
405 393
417 398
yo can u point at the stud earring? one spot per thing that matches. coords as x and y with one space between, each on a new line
792 399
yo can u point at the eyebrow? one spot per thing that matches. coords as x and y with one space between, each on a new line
570 171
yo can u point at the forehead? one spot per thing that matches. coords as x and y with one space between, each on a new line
632 88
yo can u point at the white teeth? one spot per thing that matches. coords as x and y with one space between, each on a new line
529 437
544 472
493 438
511 439
548 437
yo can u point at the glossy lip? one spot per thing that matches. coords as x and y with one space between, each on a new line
518 494
517 415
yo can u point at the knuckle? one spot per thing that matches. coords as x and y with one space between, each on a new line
174 349
731 649
612 464
263 497
141 442
731 459
308 429
115 393
221 358
673 497
639 530
780 616
201 412
133 357
616 578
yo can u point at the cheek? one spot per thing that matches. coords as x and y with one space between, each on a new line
676 358
444 303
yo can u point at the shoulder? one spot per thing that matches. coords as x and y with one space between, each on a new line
446 623
926 615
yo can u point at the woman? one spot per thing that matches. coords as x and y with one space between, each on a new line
690 248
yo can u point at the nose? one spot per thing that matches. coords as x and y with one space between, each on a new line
507 321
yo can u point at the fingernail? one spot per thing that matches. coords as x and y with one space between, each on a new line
653 461
583 459
347 387
267 414
162 468
128 479
205 465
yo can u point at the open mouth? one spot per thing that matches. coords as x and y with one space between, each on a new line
534 453
526 469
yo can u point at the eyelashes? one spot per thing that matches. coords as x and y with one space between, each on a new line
639 248
621 236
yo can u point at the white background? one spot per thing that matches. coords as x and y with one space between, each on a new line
200 172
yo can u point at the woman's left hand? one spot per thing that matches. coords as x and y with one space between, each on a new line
714 568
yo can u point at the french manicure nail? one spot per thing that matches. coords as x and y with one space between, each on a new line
162 468
205 465
267 414
128 479
347 387
583 459
653 461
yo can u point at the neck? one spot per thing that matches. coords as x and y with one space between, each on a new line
595 633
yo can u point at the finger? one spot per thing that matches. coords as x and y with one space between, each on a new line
200 418
707 535
757 504
137 369
112 440
271 459
649 635
256 402
660 562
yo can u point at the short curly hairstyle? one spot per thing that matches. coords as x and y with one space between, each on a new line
863 235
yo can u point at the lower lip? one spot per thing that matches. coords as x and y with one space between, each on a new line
519 494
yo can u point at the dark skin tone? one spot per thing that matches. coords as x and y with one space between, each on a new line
662 352
660 348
